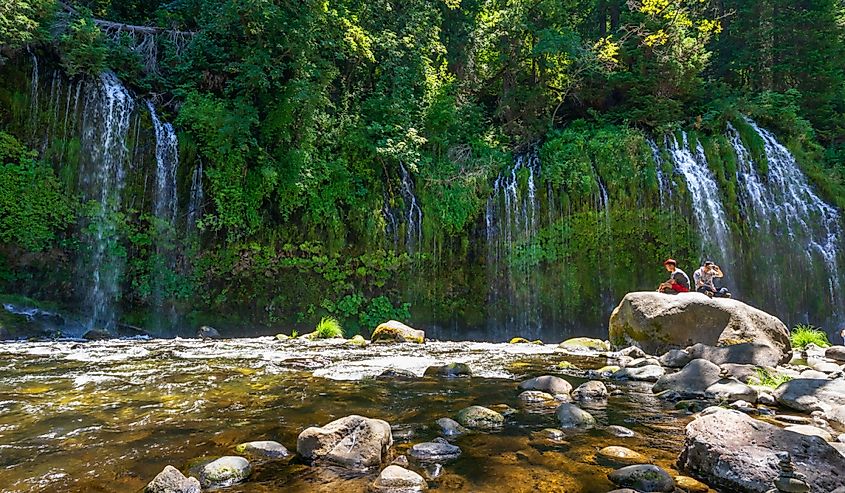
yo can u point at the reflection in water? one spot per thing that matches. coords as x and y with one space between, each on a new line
108 416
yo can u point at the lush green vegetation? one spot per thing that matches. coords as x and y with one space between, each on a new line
328 328
770 379
803 335
304 115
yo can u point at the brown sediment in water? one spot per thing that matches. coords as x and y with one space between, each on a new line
108 416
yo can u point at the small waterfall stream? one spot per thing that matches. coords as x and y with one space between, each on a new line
197 197
167 161
407 213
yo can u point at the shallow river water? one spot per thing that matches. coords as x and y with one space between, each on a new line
108 416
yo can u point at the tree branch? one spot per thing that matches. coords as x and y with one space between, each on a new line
118 26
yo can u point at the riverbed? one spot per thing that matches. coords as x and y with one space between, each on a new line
107 416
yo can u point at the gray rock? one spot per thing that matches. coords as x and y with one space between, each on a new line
827 367
814 374
835 416
207 332
766 399
438 450
734 452
171 480
535 397
746 353
620 431
632 352
480 418
644 361
807 395
675 358
694 378
592 390
572 416
643 477
353 441
650 373
96 335
743 372
225 471
450 428
810 431
729 390
396 479
450 370
836 353
265 448
658 322
547 383
396 374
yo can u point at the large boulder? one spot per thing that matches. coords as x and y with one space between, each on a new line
353 441
811 394
658 322
734 452
393 331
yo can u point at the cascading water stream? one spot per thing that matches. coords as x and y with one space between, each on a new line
197 197
413 213
106 115
167 161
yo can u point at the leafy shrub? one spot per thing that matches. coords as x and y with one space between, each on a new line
83 47
328 328
805 334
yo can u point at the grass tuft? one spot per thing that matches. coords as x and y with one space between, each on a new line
769 379
328 328
805 334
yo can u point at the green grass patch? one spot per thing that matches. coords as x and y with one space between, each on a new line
769 379
805 334
328 328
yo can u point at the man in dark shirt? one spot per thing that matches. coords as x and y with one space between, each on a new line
678 280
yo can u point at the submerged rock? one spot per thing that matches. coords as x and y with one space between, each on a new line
693 379
807 395
450 428
171 480
96 335
730 450
643 477
535 397
207 332
393 331
225 471
396 479
620 431
658 322
691 485
396 374
616 456
585 344
353 441
592 390
572 416
265 448
438 450
450 370
547 383
480 418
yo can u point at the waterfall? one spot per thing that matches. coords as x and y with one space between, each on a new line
197 197
511 221
167 160
663 188
413 213
707 208
797 233
106 115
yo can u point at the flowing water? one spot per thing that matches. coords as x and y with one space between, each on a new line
106 115
167 162
197 198
108 416
406 215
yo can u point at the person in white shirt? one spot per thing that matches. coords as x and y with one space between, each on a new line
704 277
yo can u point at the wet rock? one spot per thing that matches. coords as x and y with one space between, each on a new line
810 430
735 452
265 448
691 405
836 353
620 431
401 461
585 344
505 410
547 383
572 416
691 485
480 418
96 335
650 373
590 391
745 353
353 441
616 456
396 374
566 365
641 362
807 395
658 322
643 477
694 378
450 370
675 358
550 434
438 450
224 471
395 479
171 480
393 331
207 332
450 428
730 389
535 397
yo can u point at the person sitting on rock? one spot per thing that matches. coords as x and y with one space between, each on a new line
703 278
678 280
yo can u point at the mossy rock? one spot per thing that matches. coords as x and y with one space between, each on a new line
357 340
585 343
282 337
519 340
393 331
566 365
481 418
